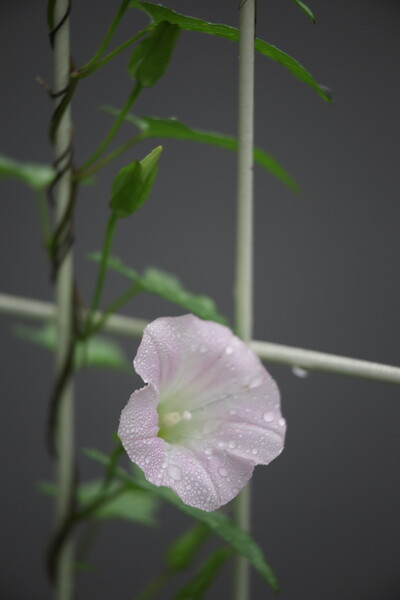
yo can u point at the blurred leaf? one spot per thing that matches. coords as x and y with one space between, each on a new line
151 56
130 505
98 351
132 186
305 9
217 521
36 176
202 580
160 13
182 552
152 127
167 286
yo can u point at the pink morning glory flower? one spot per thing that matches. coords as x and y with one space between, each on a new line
209 413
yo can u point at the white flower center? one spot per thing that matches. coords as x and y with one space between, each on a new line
173 418
168 420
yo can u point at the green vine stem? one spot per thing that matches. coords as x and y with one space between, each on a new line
114 129
244 243
64 432
104 161
92 67
101 274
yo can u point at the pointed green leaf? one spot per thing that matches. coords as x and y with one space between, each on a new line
217 521
36 176
151 56
133 184
130 505
305 9
167 286
202 580
160 13
152 127
98 352
182 552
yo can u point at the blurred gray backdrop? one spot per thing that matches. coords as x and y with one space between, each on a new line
326 277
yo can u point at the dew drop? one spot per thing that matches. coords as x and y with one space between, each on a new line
256 381
147 460
223 472
174 472
208 450
282 422
229 349
254 451
268 417
187 415
232 444
299 372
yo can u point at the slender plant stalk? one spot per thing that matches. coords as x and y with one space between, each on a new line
108 37
93 67
104 161
64 285
101 274
114 129
310 360
244 243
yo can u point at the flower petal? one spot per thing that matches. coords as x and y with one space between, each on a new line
138 430
193 362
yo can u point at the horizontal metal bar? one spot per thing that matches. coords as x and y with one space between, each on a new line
309 360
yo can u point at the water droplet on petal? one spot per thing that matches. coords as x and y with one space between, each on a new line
229 349
174 472
187 415
254 451
282 422
208 450
223 472
256 381
268 417
232 444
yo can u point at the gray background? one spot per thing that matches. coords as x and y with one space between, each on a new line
326 278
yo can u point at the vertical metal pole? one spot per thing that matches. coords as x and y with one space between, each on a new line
244 247
64 434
